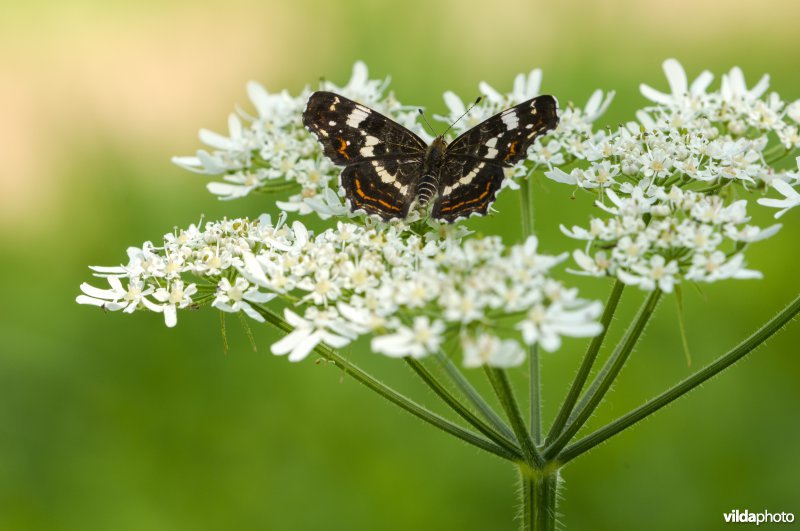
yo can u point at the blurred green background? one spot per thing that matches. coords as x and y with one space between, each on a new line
109 421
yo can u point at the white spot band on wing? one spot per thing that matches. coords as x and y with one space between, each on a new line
510 119
357 115
471 175
383 173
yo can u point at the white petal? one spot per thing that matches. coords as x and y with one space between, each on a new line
550 341
212 165
98 293
454 103
83 299
760 88
234 127
259 96
227 191
192 164
702 82
253 270
259 296
654 95
786 189
294 319
558 175
302 349
392 345
534 82
583 260
215 140
250 311
333 340
594 102
491 94
676 77
170 315
289 342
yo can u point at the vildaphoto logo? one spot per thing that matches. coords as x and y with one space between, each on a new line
746 517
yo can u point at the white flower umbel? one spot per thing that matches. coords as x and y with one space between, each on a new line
411 293
665 180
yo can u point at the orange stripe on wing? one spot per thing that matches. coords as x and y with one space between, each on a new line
343 148
360 192
462 203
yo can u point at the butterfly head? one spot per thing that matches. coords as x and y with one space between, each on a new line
437 147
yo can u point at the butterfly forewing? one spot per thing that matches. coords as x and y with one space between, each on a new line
472 172
382 158
506 137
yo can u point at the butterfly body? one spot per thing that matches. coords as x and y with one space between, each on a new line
431 168
388 168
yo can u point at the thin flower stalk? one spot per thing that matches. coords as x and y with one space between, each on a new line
589 358
604 380
395 397
454 404
474 397
638 414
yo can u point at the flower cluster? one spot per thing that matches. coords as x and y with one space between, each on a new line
273 152
656 236
665 180
412 292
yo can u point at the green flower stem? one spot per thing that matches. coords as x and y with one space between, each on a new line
391 395
535 389
604 380
539 495
598 379
587 363
667 397
502 388
458 407
474 396
526 205
535 396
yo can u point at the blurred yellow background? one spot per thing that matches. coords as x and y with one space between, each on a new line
113 422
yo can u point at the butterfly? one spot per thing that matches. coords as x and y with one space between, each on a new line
387 167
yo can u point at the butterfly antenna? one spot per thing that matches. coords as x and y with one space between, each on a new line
474 103
421 113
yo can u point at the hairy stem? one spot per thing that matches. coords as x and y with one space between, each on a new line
539 496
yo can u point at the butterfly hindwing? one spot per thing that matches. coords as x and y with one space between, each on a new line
468 185
385 187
